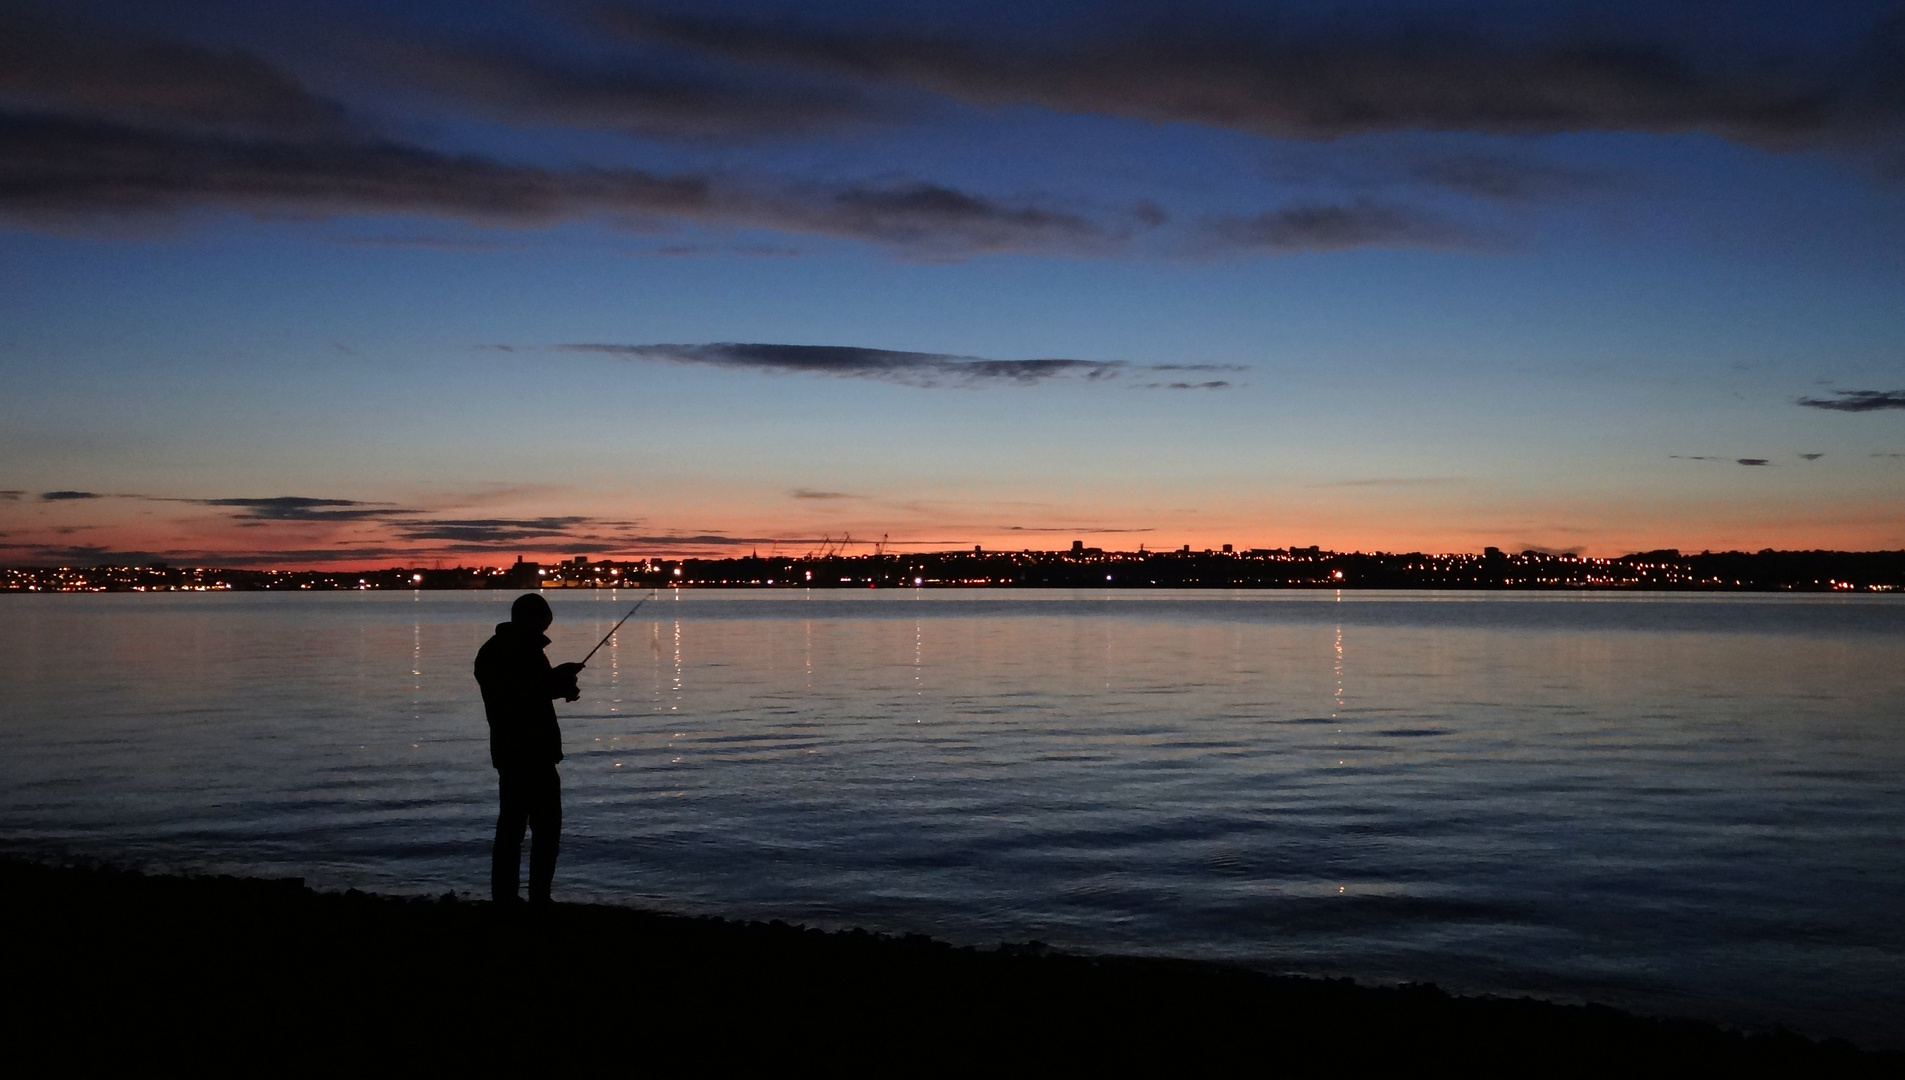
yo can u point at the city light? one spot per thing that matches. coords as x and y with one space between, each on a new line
1295 567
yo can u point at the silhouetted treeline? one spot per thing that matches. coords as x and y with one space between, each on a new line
1081 567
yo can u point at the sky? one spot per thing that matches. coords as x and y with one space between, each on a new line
428 283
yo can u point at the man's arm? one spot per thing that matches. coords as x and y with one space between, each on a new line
562 682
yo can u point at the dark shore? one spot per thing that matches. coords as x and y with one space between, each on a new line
113 964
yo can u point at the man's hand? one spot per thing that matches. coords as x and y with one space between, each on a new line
566 681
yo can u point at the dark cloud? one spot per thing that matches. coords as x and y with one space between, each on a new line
384 531
1376 169
567 535
1715 457
1324 227
80 555
1503 178
387 554
52 168
63 496
1858 400
61 172
489 531
846 361
94 126
926 370
803 493
1812 457
1887 454
87 72
299 508
707 540
573 533
634 94
11 495
279 502
925 217
1344 79
906 368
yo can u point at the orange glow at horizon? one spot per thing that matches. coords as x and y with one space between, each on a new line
549 525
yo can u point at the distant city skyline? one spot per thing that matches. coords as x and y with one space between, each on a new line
1079 567
361 284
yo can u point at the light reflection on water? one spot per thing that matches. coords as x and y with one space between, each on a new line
1691 804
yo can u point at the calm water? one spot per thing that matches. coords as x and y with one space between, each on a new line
1690 804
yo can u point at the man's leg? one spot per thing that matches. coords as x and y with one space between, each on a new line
545 825
506 856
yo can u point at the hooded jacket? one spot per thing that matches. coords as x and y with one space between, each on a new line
518 689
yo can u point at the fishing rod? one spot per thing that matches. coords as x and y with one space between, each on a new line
617 626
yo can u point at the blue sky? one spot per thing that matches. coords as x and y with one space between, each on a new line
392 283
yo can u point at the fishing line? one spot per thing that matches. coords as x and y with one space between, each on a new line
618 626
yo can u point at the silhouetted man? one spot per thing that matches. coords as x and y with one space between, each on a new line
524 745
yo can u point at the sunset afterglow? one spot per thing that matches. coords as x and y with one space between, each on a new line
425 284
